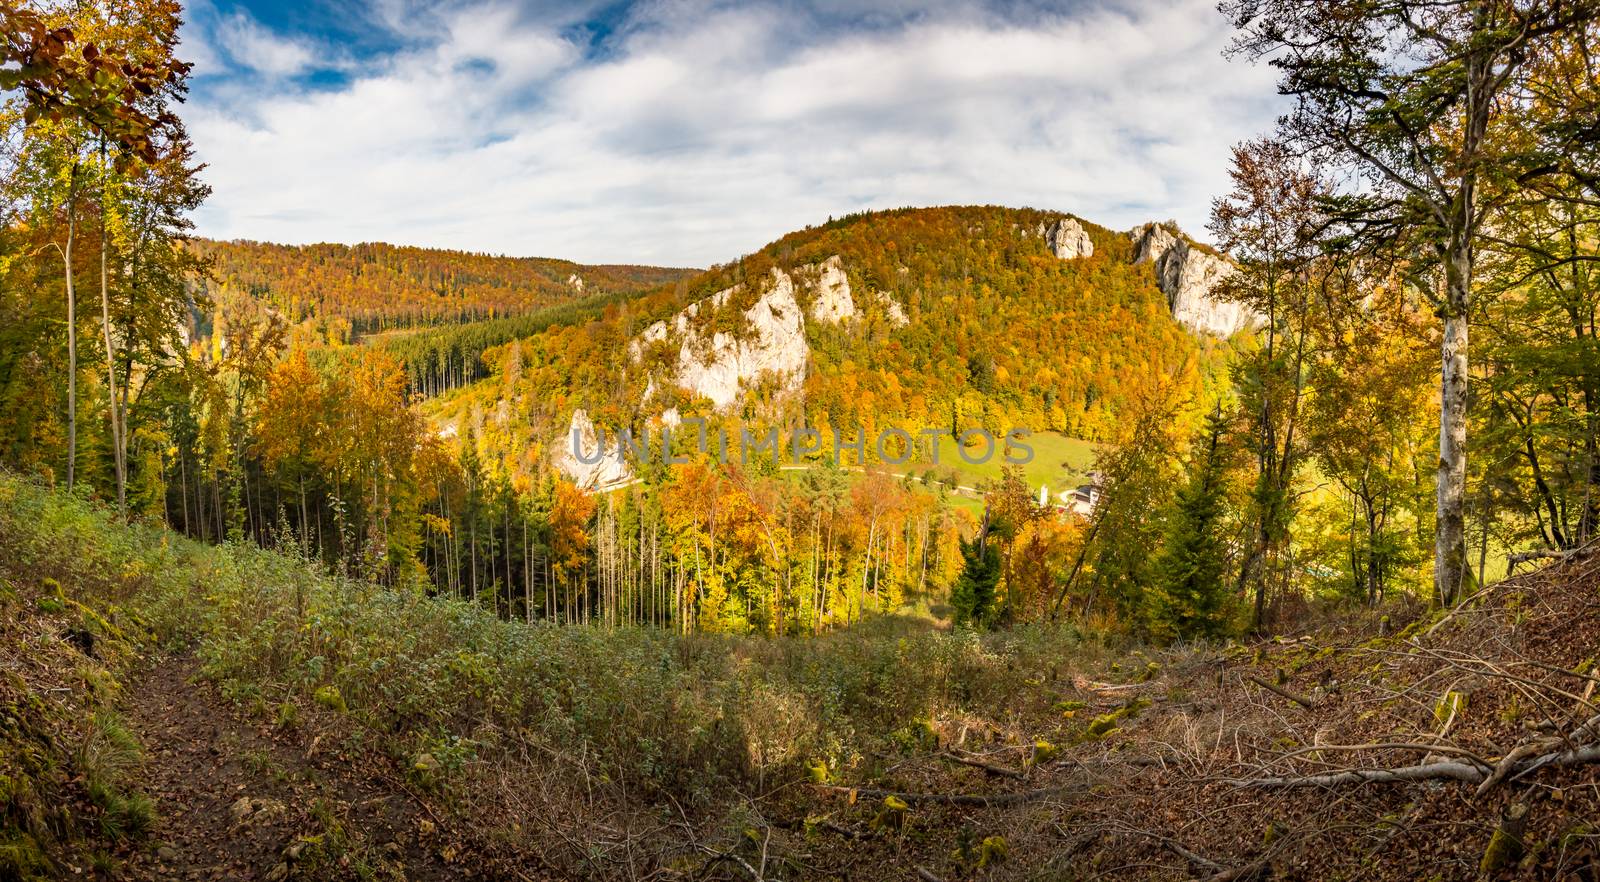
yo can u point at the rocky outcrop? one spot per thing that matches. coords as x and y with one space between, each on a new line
896 315
581 456
1066 239
771 343
832 302
1188 276
768 347
576 281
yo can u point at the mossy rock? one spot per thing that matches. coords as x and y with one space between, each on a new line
1102 726
992 851
22 858
917 734
331 698
891 815
1105 724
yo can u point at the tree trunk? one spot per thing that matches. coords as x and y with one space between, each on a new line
119 447
1450 543
72 332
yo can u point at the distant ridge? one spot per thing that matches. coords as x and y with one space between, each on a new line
376 286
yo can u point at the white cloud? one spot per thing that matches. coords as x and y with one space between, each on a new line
254 47
702 134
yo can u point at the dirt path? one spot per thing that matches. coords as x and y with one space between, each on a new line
239 799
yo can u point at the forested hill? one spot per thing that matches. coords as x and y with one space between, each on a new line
376 286
958 316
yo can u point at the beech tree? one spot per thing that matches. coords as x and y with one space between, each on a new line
92 88
1403 95
1265 222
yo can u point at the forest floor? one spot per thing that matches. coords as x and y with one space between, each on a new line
1398 744
243 799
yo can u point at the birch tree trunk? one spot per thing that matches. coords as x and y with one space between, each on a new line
72 331
119 448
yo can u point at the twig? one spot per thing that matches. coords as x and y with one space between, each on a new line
1177 848
1247 871
925 874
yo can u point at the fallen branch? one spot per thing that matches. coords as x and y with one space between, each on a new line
1248 871
995 800
1096 686
1280 691
1546 554
925 874
1538 554
820 824
1508 763
720 856
976 763
1393 745
1467 773
1511 565
1177 848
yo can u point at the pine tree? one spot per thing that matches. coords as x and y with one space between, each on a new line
1190 598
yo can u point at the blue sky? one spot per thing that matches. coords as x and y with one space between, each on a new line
687 132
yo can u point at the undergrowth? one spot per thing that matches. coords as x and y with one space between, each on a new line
442 686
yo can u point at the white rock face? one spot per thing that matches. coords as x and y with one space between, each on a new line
833 303
1066 239
1187 276
774 342
897 316
576 282
771 343
609 470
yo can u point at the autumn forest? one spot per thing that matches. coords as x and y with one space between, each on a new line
1305 524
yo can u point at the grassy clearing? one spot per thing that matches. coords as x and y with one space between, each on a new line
1059 462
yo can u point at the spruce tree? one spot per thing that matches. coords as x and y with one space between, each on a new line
973 595
1190 597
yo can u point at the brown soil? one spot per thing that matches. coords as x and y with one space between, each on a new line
242 799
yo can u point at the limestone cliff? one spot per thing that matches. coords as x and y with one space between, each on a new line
1067 239
580 457
1188 275
832 302
720 357
771 343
